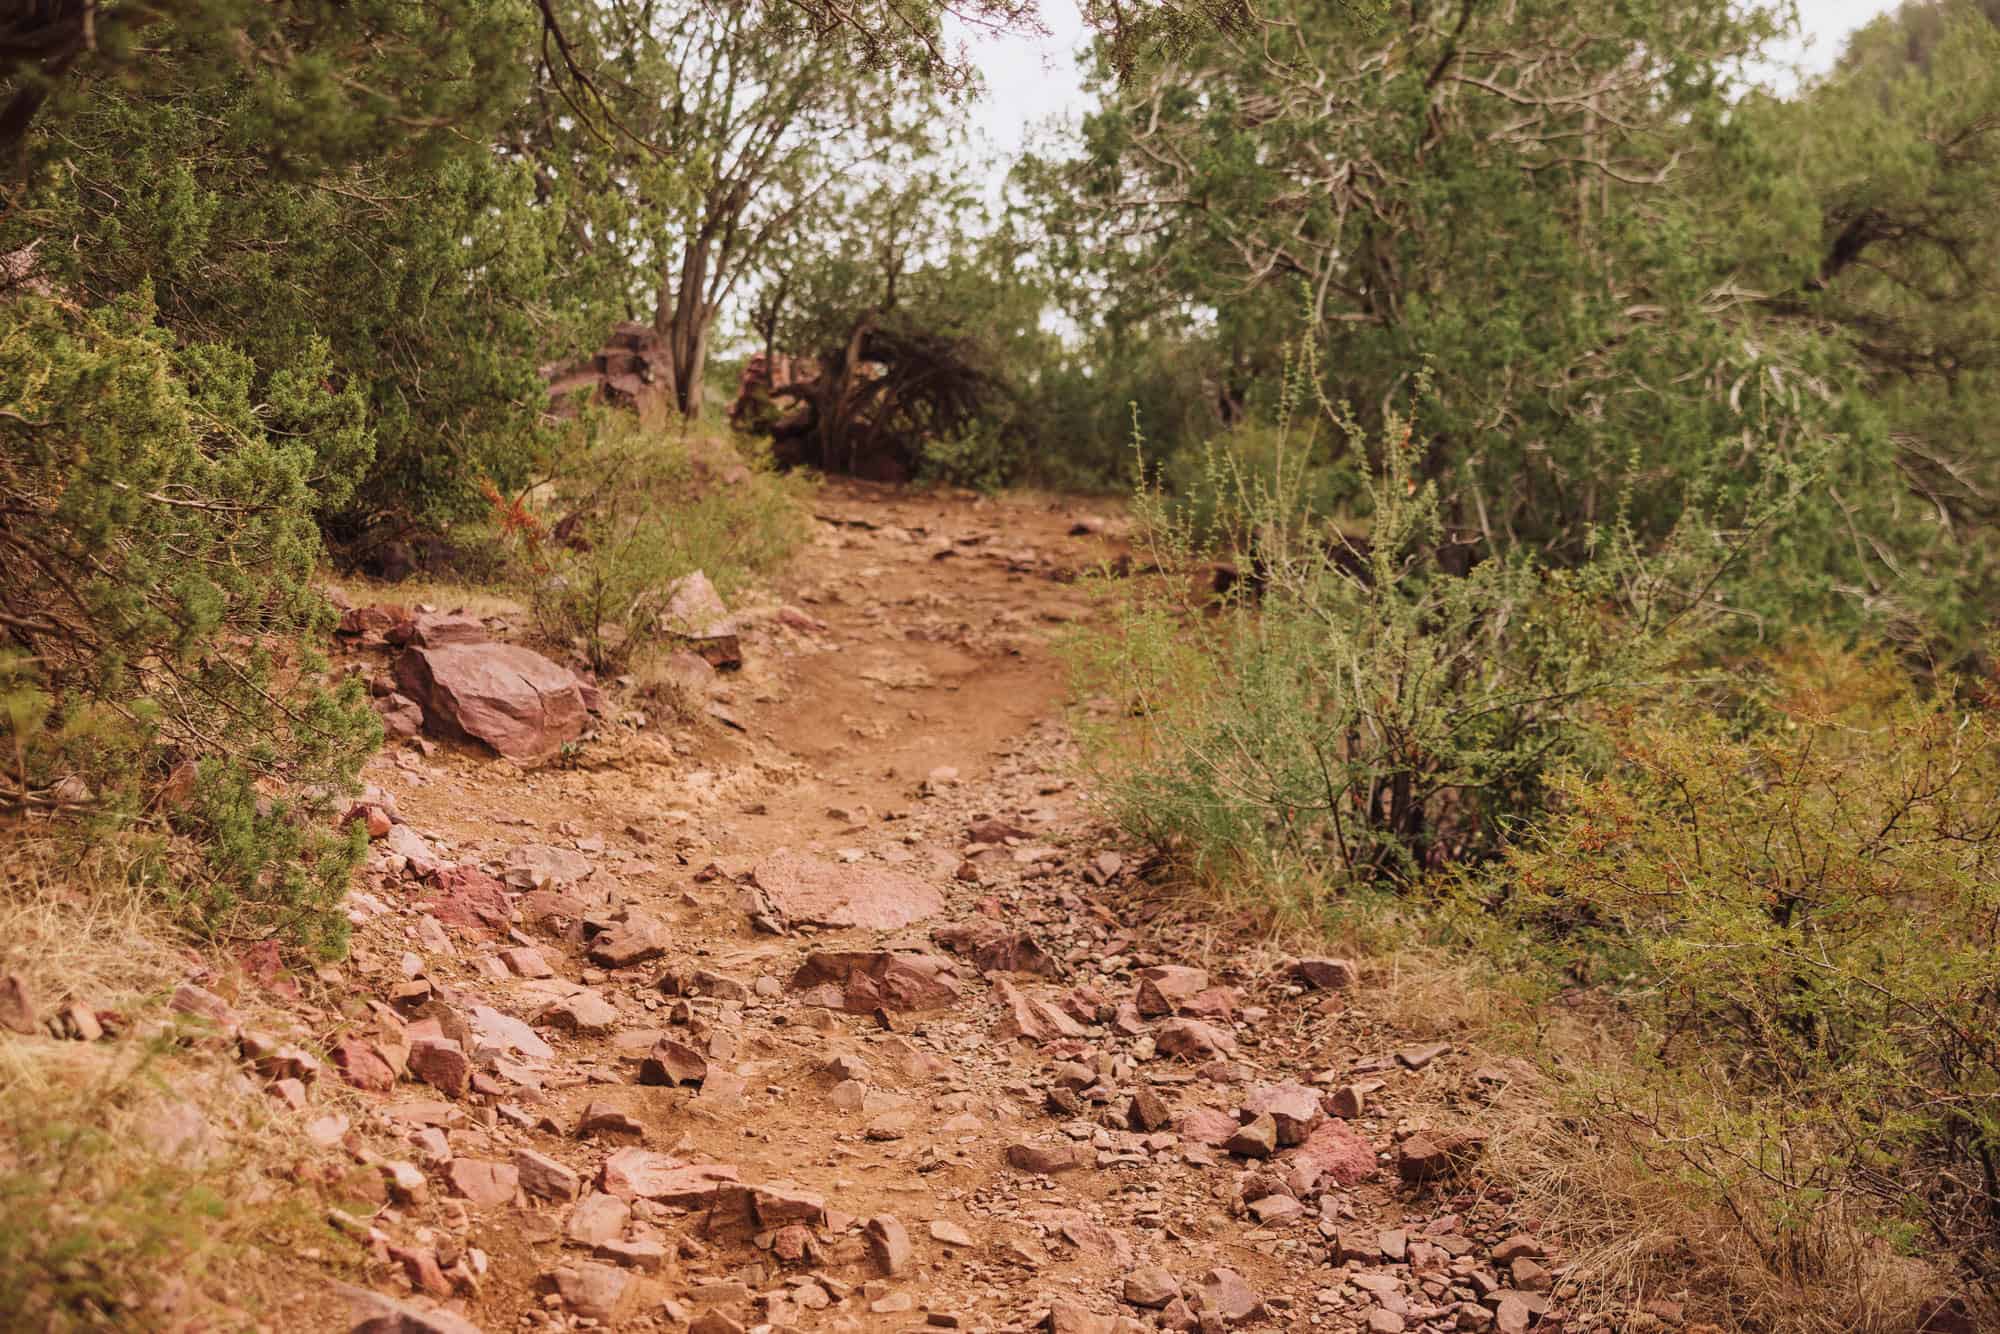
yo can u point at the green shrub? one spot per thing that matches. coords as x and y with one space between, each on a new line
156 608
634 509
1796 898
1359 708
979 457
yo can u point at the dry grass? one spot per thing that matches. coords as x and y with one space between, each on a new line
1632 1228
135 1168
444 594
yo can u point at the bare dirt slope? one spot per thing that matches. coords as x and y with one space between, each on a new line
1021 1089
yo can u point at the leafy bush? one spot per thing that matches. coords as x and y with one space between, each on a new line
155 601
978 457
1797 894
1361 706
315 188
635 509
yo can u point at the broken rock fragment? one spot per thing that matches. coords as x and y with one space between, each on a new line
863 981
1192 1039
468 898
1434 1155
1049 1159
540 866
1029 1018
673 1062
697 614
544 1178
1336 1152
486 1184
1325 974
1293 1107
1165 989
1225 1295
598 1291
636 940
995 949
888 1244
442 1064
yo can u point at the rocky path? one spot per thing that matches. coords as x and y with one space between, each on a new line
828 1007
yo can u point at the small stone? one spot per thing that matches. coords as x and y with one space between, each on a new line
1151 1287
1224 1294
1049 1159
594 1290
1326 974
623 944
1192 1039
1257 1138
1416 1058
598 1219
1275 1209
648 1257
362 1064
545 1178
888 1243
485 1184
1293 1107
526 961
1150 1111
951 1234
673 1062
601 1120
585 1014
1529 1275
1427 1157
1164 989
442 1064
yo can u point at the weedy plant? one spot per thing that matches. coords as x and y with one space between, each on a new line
1363 702
636 507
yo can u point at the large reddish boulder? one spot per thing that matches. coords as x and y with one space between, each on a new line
513 699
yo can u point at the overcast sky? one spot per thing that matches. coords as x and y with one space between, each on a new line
1030 82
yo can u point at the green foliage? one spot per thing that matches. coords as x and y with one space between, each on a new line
1361 707
1535 232
1861 210
637 510
154 582
318 236
977 457
1795 886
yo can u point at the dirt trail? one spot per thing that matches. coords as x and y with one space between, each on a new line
1039 1145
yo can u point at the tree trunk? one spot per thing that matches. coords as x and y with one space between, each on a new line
682 319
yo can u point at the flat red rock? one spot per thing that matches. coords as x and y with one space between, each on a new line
643 1174
823 893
